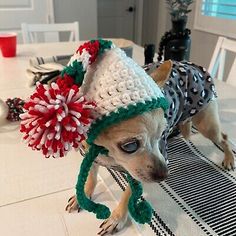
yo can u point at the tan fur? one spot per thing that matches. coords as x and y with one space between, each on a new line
119 215
185 129
88 189
147 128
162 73
208 124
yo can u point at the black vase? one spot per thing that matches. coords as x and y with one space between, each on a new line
149 52
178 48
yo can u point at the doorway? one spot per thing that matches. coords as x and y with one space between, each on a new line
120 19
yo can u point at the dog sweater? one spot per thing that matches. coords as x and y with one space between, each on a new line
189 89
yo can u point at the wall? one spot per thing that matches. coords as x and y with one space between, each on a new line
84 11
163 20
150 19
155 21
203 43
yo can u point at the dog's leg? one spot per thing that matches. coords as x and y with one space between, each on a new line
207 122
88 189
185 129
118 217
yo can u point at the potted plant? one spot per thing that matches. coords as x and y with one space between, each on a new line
179 9
176 42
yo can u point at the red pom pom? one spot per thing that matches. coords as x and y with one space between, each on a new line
57 118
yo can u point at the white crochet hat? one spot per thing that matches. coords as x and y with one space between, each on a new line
116 81
100 87
120 88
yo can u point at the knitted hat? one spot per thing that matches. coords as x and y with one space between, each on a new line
100 87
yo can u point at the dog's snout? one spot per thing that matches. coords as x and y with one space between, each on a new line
159 176
160 173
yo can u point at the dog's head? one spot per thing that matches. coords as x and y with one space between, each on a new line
134 143
102 86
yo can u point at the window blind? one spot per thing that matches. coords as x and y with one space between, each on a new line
216 16
219 8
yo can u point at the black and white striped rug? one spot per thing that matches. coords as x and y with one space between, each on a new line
198 198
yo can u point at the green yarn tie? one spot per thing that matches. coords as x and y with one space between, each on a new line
139 209
101 211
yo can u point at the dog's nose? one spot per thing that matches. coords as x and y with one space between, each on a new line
156 176
160 174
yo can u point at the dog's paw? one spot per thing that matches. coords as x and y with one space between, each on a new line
72 205
229 163
114 223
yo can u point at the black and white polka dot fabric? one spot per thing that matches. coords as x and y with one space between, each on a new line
189 89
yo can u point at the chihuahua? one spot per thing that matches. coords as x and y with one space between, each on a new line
139 144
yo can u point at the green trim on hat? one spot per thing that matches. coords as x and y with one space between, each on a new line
104 45
124 113
76 71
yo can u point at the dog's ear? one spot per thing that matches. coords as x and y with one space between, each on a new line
161 74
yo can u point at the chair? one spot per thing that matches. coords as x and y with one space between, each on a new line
31 32
217 64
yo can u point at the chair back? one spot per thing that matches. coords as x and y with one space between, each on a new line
30 32
217 64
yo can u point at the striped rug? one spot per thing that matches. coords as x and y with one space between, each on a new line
199 196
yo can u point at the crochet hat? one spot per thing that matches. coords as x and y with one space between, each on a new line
100 87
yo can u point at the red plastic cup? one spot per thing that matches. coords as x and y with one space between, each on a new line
8 44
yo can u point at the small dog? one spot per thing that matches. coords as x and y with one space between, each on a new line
139 144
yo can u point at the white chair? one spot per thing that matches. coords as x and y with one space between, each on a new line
30 32
217 64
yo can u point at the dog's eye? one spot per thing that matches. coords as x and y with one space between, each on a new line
130 146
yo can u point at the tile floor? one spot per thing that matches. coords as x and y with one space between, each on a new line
35 190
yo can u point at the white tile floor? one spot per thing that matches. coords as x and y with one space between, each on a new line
45 215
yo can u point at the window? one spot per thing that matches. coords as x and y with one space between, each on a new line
216 16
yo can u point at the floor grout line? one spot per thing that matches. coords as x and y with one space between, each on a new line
64 225
39 196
